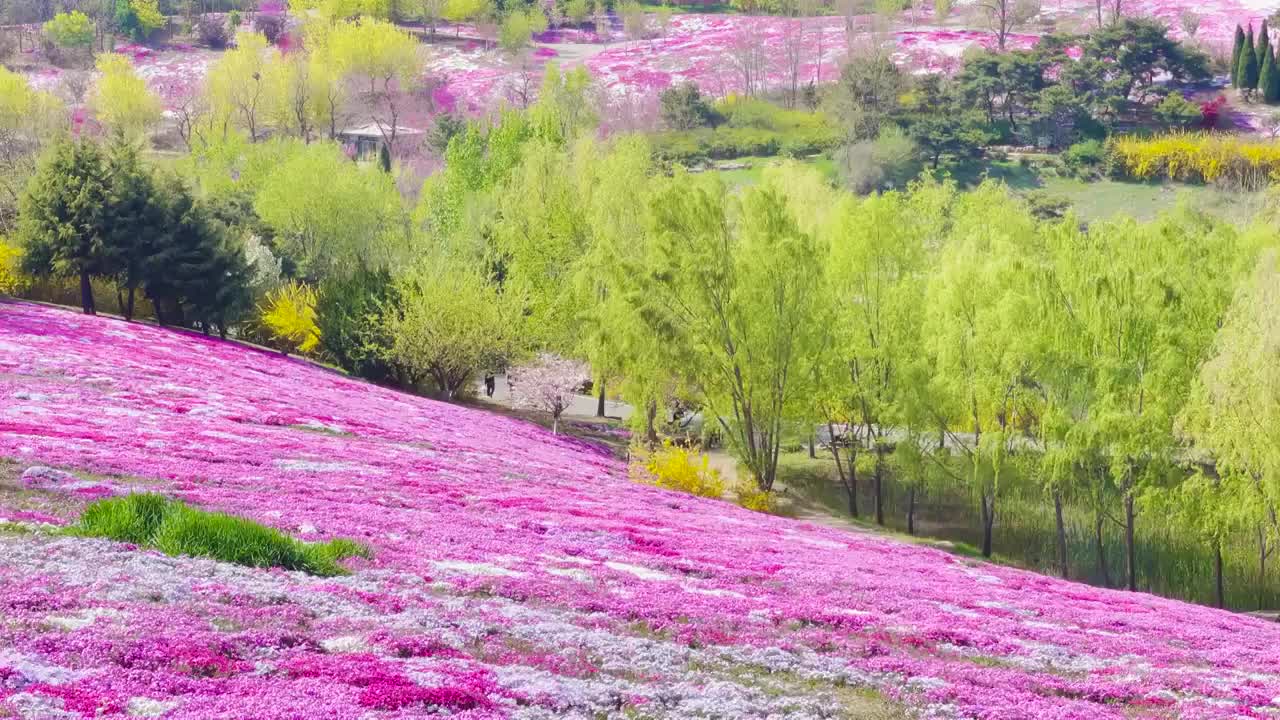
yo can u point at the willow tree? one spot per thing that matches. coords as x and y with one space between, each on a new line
331 216
386 60
976 308
450 322
1233 414
238 86
121 100
1067 434
29 120
877 278
734 282
1145 313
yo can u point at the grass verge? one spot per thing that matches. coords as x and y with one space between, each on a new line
174 528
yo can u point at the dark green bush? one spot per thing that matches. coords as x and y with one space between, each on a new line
176 529
1085 158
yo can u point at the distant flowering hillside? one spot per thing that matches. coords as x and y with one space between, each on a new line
514 574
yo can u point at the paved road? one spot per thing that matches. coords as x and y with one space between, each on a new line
582 405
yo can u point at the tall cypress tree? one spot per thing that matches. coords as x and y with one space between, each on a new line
1264 46
1248 68
1269 79
1235 57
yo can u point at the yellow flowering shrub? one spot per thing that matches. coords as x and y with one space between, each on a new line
751 497
288 314
12 279
677 468
1200 158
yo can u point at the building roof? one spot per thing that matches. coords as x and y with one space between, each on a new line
373 130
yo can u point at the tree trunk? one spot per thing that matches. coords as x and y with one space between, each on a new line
600 401
988 519
1219 592
128 308
1062 534
651 432
850 481
1130 555
879 485
813 453
1102 550
86 293
1262 567
911 510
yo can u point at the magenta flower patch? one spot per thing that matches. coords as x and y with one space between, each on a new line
514 574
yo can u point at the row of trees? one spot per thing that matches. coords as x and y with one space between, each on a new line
1066 89
1253 65
90 212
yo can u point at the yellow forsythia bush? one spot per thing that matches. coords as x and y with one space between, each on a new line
288 314
751 497
1199 157
677 468
12 279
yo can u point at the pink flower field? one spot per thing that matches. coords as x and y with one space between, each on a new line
472 76
514 574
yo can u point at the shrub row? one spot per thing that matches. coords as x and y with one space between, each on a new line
724 143
1198 158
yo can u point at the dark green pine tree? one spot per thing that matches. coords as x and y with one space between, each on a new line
1269 79
62 216
135 218
1235 57
1264 47
1247 72
195 277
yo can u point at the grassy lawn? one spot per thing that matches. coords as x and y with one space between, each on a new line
751 175
1104 199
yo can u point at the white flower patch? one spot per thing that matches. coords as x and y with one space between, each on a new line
574 573
316 466
569 559
223 435
148 707
639 571
82 619
980 576
926 683
956 610
344 644
469 568
713 592
32 396
38 706
38 672
313 424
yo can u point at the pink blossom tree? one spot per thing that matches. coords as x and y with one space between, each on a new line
547 384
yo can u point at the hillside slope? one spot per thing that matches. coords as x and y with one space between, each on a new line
515 574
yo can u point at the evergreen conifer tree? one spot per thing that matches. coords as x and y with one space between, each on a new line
1269 79
1264 46
62 220
195 276
1247 72
1235 57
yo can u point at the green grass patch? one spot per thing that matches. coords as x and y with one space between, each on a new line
174 528
754 172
